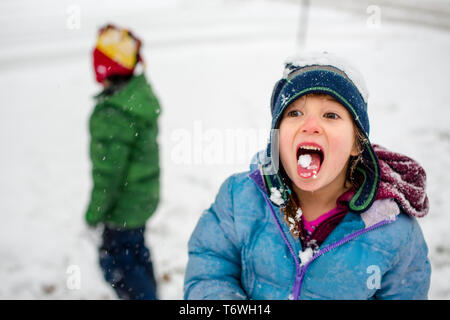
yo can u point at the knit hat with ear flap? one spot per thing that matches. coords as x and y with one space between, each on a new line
116 53
322 73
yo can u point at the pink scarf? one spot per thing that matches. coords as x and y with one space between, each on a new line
402 179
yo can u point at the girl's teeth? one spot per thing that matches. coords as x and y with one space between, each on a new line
310 148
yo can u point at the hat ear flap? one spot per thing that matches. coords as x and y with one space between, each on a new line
367 192
275 93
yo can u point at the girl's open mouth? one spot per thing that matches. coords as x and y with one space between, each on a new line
310 157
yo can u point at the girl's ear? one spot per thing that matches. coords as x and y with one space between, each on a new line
358 144
356 151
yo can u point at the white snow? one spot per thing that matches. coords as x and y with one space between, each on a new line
305 255
275 196
304 160
385 209
212 63
325 58
298 214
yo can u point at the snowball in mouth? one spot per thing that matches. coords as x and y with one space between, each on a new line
304 160
308 165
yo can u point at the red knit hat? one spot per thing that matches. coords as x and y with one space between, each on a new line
116 52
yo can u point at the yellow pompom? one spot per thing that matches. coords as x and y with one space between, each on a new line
119 45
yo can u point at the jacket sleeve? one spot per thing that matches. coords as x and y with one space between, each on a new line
409 278
112 136
214 266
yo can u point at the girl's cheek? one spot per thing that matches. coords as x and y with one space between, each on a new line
285 143
284 152
284 148
282 138
341 148
286 132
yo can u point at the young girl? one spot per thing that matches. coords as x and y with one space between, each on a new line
322 213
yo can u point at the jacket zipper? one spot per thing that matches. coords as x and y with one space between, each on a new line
301 270
297 289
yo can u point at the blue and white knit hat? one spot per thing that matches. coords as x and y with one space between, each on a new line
322 73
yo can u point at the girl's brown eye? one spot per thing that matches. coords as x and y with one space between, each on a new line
331 115
294 113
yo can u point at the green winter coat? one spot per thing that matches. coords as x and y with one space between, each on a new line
125 157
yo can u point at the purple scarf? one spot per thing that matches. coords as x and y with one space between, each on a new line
404 180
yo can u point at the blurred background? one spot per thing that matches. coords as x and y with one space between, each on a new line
212 64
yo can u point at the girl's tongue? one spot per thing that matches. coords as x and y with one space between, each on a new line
308 165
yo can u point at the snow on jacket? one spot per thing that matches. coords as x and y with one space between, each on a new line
241 248
124 154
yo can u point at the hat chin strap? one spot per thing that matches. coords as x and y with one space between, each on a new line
366 194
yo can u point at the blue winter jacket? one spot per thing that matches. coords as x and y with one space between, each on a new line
241 248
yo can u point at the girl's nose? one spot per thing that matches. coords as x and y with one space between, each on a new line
311 126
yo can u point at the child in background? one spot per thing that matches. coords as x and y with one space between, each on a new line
125 164
322 213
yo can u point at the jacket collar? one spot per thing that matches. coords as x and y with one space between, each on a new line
381 210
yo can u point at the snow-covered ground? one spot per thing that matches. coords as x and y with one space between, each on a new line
213 65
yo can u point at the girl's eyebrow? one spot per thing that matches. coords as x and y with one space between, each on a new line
336 103
330 98
289 107
293 106
296 104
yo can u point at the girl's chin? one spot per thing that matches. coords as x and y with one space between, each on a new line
307 184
